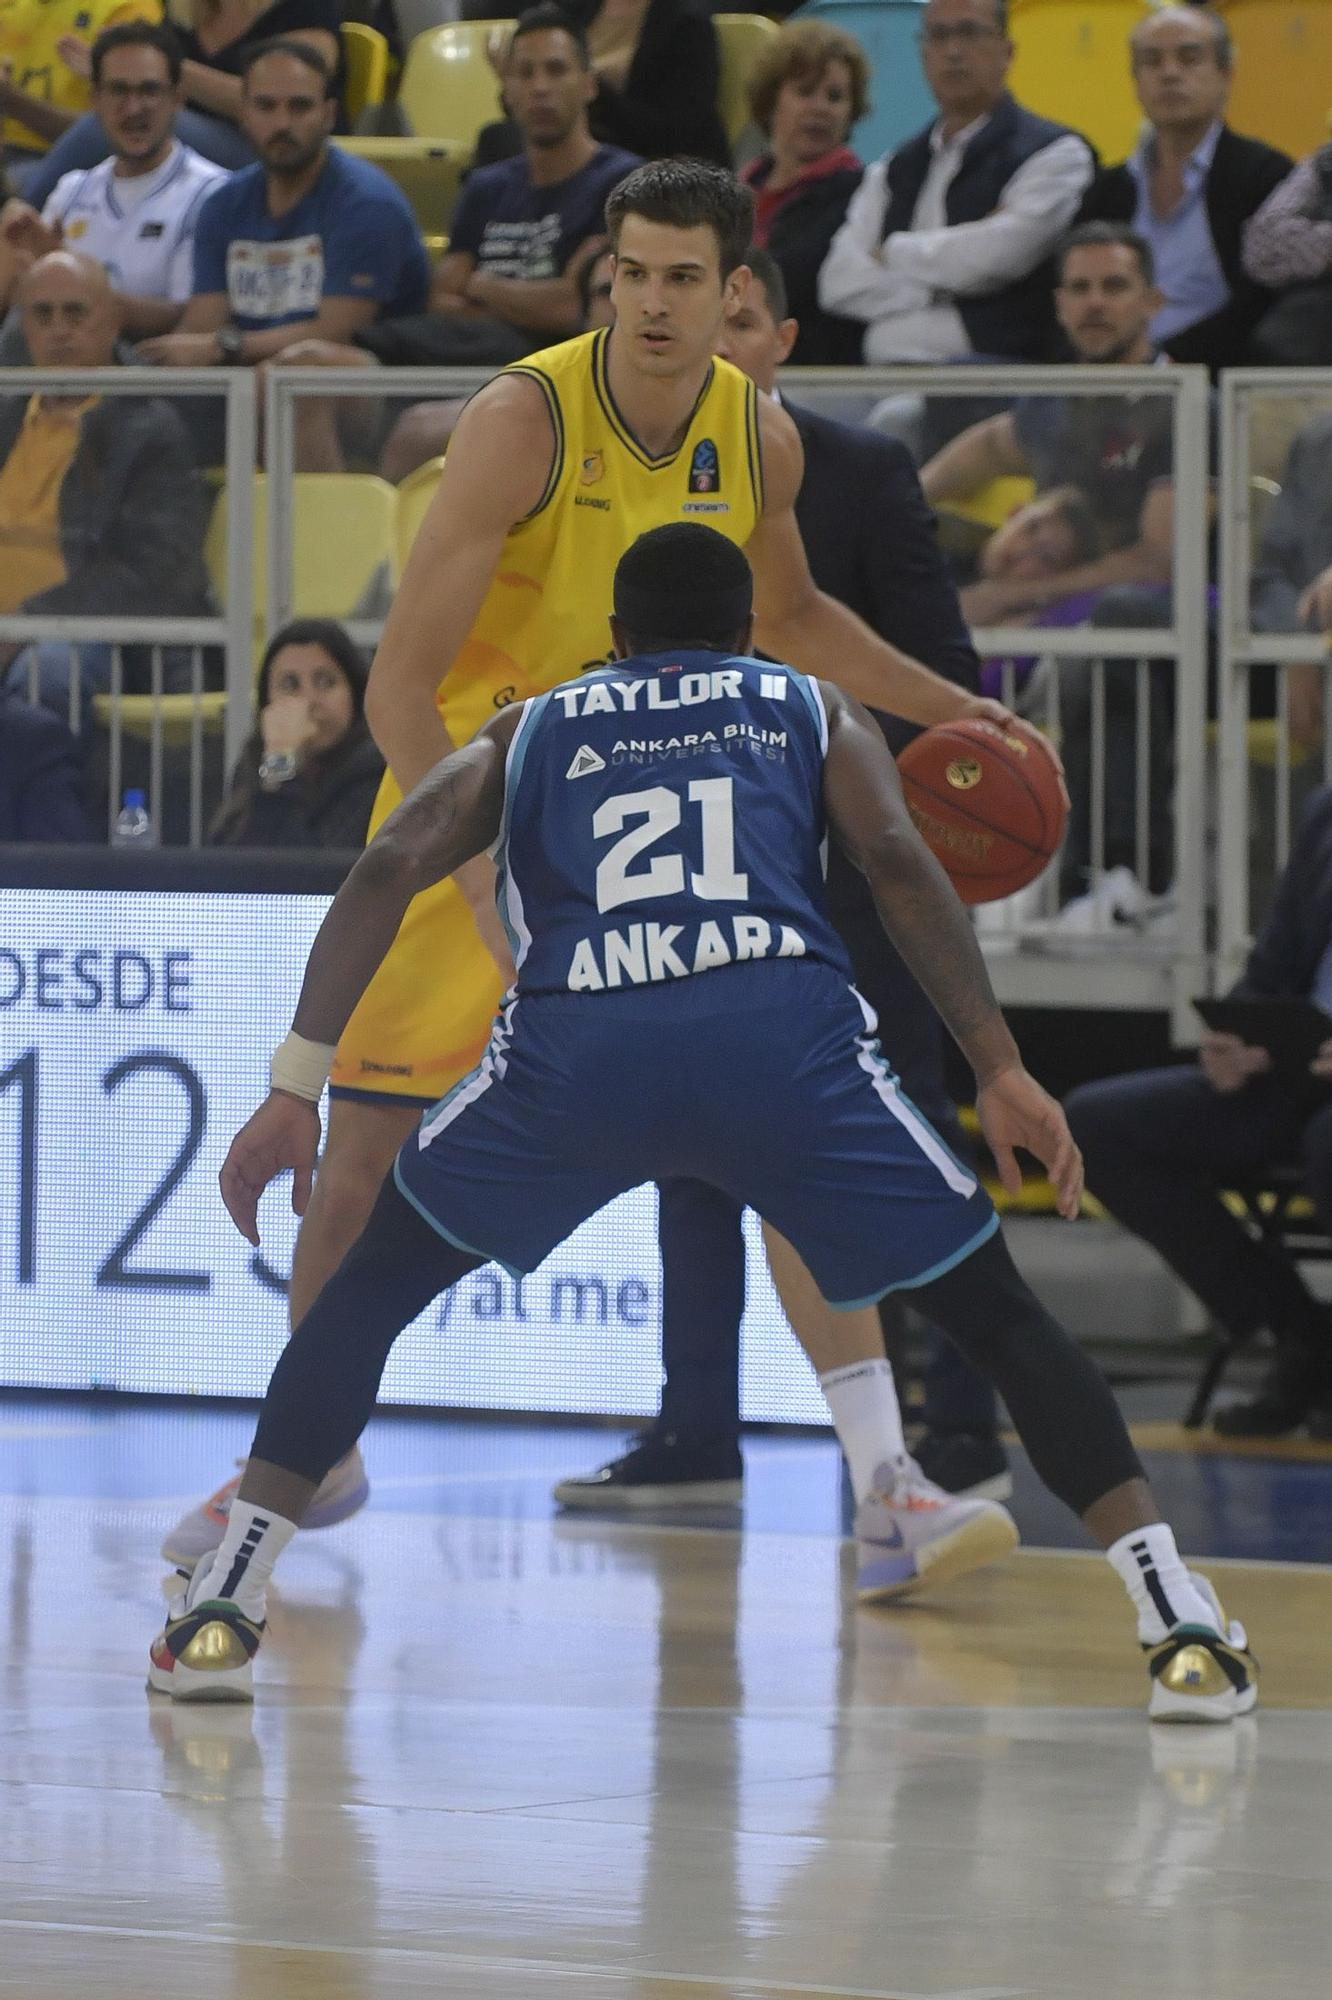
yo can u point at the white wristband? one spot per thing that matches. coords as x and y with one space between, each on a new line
302 1067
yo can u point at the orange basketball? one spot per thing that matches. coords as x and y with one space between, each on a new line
987 801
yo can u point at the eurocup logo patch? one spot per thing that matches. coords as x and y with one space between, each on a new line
705 468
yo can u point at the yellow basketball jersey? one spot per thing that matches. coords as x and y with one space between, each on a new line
30 33
545 615
425 1018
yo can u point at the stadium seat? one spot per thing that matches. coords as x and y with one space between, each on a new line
345 534
449 90
414 496
136 716
1072 64
739 39
1283 56
900 99
366 55
428 172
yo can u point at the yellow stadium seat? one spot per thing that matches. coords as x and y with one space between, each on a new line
366 56
136 716
427 171
990 506
1072 64
739 39
345 532
448 89
1283 59
414 496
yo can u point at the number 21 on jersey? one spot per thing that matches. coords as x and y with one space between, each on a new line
650 816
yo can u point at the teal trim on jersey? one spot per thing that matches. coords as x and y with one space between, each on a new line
812 702
968 1168
468 1249
938 1270
513 771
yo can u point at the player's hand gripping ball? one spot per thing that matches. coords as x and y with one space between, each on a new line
988 802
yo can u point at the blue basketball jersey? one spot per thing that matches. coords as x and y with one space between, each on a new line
664 817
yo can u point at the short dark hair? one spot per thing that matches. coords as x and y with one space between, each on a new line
159 35
683 585
772 278
1096 235
546 18
287 45
687 194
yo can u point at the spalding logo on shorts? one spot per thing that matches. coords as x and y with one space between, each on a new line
963 773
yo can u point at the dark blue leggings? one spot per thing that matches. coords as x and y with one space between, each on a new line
327 1379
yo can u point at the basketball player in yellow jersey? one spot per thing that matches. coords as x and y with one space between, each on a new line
555 467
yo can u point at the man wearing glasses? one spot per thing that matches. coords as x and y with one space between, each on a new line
946 245
134 213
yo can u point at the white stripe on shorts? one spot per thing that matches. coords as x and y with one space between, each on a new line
905 1113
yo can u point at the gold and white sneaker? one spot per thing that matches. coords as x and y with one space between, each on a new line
1200 1674
205 1652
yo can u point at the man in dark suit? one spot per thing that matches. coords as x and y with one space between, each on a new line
1191 186
41 781
871 543
1161 1145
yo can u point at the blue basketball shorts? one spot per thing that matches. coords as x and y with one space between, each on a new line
763 1079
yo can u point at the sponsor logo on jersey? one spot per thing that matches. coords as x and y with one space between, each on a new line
705 468
78 227
592 468
151 232
585 762
592 500
705 507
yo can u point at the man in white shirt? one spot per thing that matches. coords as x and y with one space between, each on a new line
945 247
135 212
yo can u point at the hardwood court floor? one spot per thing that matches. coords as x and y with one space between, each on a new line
497 1757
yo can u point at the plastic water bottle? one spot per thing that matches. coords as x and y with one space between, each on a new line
134 826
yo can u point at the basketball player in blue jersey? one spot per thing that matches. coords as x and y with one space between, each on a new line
682 1007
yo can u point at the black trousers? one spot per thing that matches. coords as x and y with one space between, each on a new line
1160 1146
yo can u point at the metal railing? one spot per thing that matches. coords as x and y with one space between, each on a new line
1211 796
1254 829
230 630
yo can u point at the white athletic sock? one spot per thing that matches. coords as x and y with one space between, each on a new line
1152 1571
240 1570
862 1401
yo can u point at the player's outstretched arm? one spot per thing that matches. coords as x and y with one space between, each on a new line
499 461
452 816
923 915
800 623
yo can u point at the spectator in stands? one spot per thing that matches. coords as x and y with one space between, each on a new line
946 245
657 72
1191 186
525 229
309 241
871 543
1288 249
217 42
1162 1145
1116 452
309 772
41 776
1291 586
101 510
525 234
136 212
807 89
44 72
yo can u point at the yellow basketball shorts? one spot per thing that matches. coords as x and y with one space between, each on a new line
426 1016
